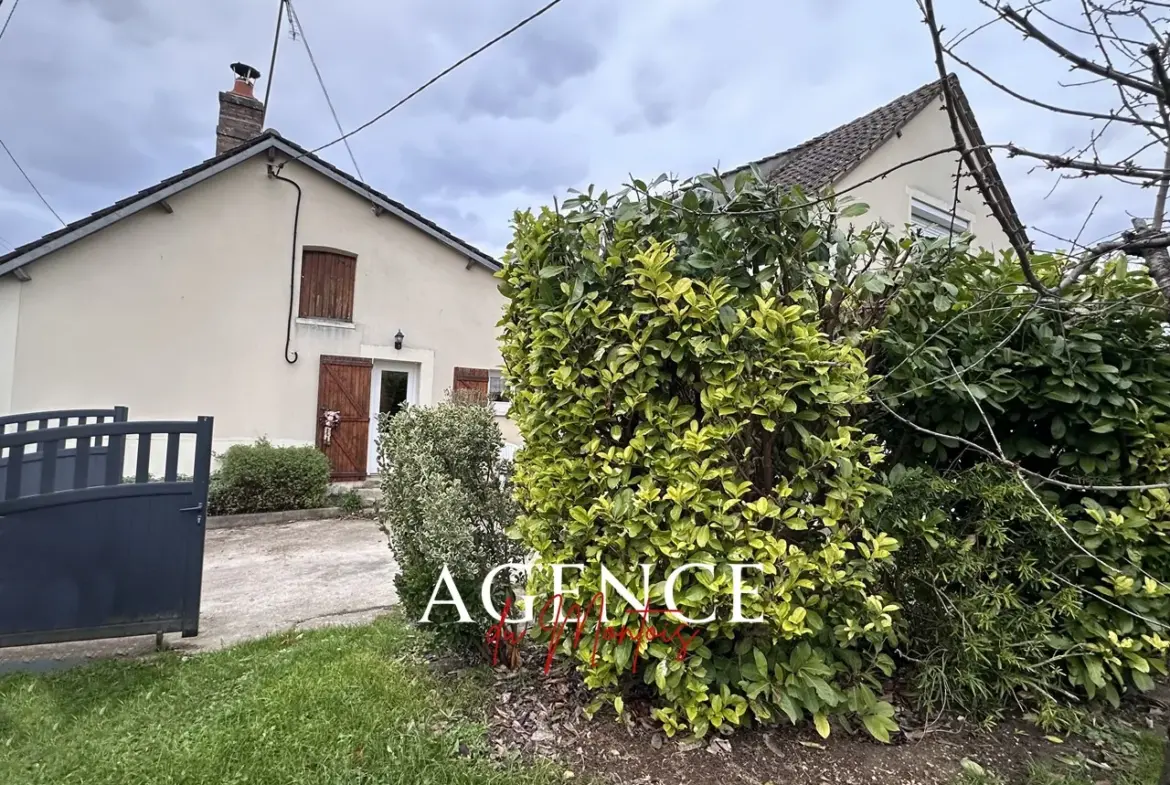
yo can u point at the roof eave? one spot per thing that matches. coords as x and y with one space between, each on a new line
272 141
319 166
986 161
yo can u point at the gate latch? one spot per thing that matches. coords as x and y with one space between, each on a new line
198 508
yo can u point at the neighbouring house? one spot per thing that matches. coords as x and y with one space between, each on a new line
920 194
264 287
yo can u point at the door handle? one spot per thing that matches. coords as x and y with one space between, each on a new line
196 508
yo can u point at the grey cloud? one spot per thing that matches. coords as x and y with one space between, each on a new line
446 214
555 56
658 108
517 98
115 11
456 169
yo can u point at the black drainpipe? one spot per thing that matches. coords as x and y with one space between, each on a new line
292 269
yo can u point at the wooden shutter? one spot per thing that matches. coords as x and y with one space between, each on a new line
327 283
470 384
344 386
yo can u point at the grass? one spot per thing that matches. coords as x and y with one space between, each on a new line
1131 757
343 705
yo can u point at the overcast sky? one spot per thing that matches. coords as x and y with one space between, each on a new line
99 98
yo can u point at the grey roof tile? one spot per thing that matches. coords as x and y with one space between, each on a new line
825 159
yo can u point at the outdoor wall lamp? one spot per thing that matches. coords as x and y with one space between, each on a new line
398 339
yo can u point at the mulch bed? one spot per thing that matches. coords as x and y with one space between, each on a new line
533 715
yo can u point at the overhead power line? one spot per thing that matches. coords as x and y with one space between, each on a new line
532 17
271 63
295 19
15 3
28 180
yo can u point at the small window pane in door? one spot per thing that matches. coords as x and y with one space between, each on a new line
393 391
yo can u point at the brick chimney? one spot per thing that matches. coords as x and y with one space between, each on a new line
241 114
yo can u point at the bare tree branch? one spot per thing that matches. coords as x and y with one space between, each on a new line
1145 103
1127 169
1135 120
1018 243
1085 64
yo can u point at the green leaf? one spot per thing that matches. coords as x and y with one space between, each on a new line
822 724
727 317
855 209
761 662
551 271
1057 427
1142 681
789 707
879 727
971 767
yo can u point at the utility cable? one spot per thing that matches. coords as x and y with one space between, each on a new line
28 180
532 17
15 3
271 63
295 20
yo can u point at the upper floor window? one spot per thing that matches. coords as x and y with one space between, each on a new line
933 222
327 280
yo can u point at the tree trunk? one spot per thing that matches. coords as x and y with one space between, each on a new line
1158 260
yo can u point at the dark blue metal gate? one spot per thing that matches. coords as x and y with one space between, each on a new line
84 556
99 449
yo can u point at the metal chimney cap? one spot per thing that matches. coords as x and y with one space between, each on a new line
245 72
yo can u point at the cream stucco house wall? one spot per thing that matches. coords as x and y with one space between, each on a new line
186 300
862 160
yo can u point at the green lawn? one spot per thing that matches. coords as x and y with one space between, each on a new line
326 707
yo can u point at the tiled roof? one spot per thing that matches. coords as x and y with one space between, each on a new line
254 146
825 159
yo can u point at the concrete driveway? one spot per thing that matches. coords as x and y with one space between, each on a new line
258 580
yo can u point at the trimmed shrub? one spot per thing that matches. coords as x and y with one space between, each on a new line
447 501
262 478
680 403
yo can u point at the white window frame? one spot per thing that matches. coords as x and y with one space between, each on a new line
500 408
927 216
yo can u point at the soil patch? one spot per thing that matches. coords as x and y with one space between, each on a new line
533 715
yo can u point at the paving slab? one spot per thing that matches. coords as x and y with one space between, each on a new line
256 581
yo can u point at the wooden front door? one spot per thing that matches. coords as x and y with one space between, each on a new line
344 387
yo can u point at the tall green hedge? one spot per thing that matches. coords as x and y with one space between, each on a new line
1077 390
680 403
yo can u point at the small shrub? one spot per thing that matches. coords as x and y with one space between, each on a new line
262 478
447 500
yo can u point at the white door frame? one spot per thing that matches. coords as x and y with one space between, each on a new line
412 373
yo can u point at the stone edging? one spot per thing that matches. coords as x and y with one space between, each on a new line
262 518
